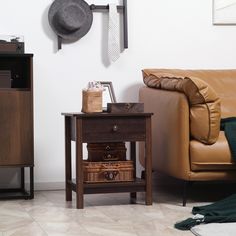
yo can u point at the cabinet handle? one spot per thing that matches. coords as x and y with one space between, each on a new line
115 128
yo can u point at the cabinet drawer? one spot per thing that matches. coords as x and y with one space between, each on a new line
113 129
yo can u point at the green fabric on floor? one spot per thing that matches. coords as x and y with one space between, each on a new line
229 126
220 211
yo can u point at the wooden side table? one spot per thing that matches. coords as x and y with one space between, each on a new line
107 127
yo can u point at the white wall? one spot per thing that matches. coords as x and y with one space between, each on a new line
162 33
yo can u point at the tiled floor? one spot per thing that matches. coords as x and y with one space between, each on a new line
104 214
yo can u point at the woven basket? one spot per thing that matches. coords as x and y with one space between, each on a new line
113 171
92 101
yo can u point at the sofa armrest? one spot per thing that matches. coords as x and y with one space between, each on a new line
170 131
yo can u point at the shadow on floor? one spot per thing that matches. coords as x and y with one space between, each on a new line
198 192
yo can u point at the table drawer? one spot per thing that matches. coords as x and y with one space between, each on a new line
113 129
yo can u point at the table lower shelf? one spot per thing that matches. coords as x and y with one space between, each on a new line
138 185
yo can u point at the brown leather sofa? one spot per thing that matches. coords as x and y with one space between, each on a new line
187 142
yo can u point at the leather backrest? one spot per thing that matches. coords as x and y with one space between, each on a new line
204 103
222 81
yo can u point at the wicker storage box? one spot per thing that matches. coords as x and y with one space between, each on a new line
92 101
106 151
114 171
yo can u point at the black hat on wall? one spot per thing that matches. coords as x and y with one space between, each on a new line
70 19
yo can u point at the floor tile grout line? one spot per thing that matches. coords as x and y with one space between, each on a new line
34 220
38 225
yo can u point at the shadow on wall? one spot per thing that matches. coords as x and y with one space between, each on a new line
131 93
47 29
104 40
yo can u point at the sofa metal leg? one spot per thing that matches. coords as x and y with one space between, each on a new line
185 193
186 186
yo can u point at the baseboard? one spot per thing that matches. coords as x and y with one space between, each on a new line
49 186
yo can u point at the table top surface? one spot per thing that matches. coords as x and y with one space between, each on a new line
105 114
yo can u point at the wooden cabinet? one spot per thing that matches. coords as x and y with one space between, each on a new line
16 118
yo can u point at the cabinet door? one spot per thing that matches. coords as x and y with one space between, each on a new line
16 128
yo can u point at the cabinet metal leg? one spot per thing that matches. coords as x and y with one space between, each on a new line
22 177
143 174
31 196
133 197
20 192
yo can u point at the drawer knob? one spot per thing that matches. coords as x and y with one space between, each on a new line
127 106
110 157
108 148
115 128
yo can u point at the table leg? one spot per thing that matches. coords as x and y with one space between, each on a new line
148 162
133 195
79 166
68 158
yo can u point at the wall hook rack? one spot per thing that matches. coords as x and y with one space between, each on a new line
122 9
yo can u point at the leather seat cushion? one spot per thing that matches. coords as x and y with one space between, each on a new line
211 157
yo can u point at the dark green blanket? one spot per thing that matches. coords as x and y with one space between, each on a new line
229 126
221 211
224 210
